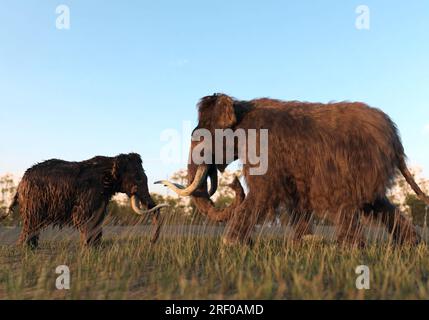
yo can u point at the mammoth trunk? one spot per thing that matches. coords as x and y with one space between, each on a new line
157 219
202 201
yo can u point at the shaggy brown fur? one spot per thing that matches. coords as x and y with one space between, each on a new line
62 193
335 160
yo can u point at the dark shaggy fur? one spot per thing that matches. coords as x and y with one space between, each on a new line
62 193
334 160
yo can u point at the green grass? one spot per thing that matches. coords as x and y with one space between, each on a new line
201 268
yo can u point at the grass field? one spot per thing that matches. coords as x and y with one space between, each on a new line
201 268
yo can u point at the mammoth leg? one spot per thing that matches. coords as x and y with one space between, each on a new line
30 232
242 222
350 229
400 228
92 232
29 238
157 221
301 216
239 228
93 237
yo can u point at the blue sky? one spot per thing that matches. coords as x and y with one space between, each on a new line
127 70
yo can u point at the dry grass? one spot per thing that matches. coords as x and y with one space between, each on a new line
195 267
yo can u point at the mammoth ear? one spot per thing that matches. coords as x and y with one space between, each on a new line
116 169
224 112
112 174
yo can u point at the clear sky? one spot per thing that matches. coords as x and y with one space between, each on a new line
128 70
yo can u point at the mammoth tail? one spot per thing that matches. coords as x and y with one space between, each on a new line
410 179
11 207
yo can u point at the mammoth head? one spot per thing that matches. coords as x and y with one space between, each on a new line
218 111
129 177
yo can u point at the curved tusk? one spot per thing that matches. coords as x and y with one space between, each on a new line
213 181
200 176
136 207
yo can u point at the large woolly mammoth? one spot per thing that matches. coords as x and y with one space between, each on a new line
335 160
60 193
